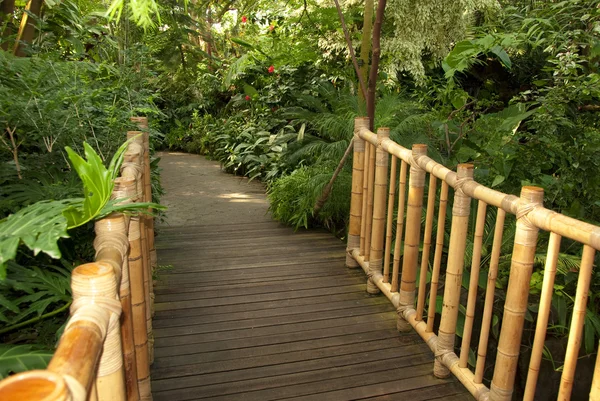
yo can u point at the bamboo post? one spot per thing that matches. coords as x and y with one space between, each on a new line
365 195
370 189
473 284
379 195
542 318
35 385
595 390
454 269
95 285
390 220
577 322
416 186
515 306
426 247
124 189
399 224
131 168
141 186
488 306
437 258
356 200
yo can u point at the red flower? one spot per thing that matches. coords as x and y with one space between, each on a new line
271 69
244 19
271 28
247 97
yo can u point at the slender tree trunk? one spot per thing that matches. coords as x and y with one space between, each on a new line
365 47
375 63
27 29
7 8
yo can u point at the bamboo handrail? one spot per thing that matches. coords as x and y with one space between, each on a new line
99 356
531 217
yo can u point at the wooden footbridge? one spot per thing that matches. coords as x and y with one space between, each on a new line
247 309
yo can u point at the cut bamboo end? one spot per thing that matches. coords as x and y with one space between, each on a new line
35 385
93 280
141 122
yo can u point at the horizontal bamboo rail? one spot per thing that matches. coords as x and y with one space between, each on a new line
102 354
367 242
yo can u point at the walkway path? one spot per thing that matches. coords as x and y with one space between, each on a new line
251 310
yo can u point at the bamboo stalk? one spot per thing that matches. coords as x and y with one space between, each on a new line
378 230
577 322
370 188
426 247
125 188
454 269
365 193
473 284
517 293
35 385
488 305
595 390
138 139
399 224
437 259
416 187
131 168
356 200
148 244
542 318
390 221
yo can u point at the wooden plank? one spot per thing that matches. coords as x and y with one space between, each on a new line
244 307
451 391
317 292
176 338
274 371
297 383
273 349
269 312
284 338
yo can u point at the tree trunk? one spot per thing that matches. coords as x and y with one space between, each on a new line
375 63
27 28
365 46
7 8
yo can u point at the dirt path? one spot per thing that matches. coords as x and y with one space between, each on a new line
195 190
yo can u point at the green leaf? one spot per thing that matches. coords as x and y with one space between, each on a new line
498 180
20 358
502 55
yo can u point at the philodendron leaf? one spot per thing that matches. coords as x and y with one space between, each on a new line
38 226
20 358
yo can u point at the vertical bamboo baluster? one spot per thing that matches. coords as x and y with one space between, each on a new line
125 189
149 220
473 284
35 385
437 259
137 137
365 195
595 390
399 224
390 220
542 318
416 187
454 269
378 225
515 306
95 292
577 321
370 188
426 247
131 168
356 200
490 290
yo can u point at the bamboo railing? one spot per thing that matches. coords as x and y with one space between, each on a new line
370 240
105 351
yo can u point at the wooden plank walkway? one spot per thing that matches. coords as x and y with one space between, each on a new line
252 310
